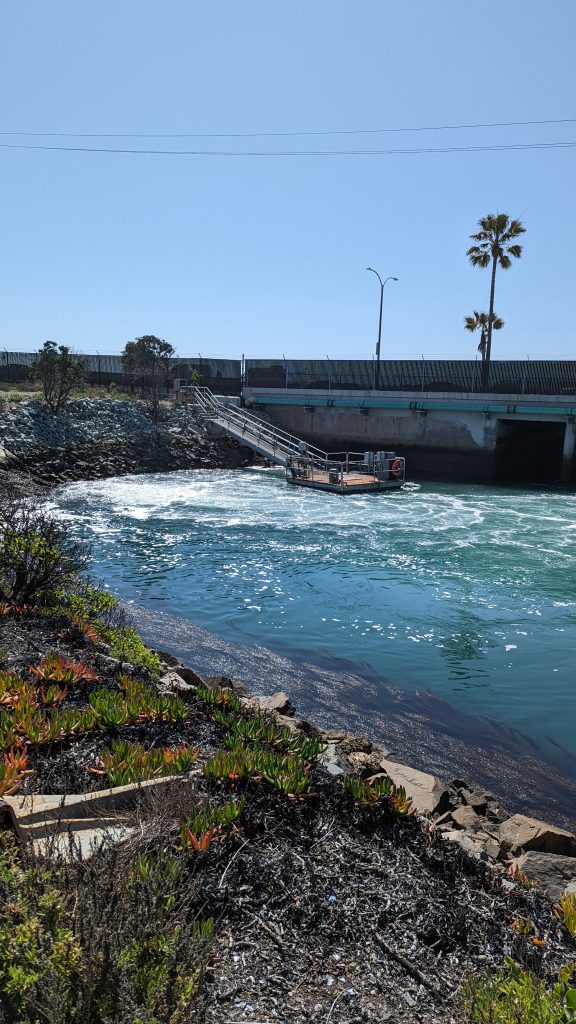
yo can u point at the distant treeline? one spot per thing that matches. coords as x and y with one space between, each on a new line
227 376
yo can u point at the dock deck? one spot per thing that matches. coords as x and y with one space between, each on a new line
348 483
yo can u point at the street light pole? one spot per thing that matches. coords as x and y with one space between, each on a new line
377 365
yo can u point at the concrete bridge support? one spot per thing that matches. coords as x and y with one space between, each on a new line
569 452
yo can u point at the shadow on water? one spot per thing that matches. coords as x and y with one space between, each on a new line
538 779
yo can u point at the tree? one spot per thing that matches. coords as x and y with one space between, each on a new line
494 245
59 372
148 360
479 322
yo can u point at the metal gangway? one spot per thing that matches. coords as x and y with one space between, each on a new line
270 441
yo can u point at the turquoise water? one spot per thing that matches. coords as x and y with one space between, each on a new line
468 591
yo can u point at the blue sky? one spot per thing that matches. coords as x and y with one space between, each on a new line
266 256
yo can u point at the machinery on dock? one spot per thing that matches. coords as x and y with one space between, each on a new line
305 465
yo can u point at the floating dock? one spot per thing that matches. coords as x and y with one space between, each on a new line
382 471
305 465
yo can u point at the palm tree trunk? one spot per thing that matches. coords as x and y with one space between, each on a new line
486 367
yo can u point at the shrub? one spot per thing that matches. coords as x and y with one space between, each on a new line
37 558
36 942
126 644
104 941
515 996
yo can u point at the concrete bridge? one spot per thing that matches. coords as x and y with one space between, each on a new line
469 436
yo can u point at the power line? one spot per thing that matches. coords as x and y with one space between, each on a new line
289 134
294 152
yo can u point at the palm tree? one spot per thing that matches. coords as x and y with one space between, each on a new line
479 322
494 245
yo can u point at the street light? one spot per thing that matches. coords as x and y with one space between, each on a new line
377 366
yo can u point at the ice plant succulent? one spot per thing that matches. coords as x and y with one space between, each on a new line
565 911
13 770
123 762
366 792
55 668
209 823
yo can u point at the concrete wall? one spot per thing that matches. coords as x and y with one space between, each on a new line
471 438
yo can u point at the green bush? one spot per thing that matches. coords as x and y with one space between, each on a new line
96 608
126 644
103 941
37 558
36 942
515 996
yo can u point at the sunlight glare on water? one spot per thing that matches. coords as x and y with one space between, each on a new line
465 590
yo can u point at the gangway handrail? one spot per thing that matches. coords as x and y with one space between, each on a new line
261 427
250 426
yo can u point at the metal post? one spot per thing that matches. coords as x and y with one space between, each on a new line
382 283
378 342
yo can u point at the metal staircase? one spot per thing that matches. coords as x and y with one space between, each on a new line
270 441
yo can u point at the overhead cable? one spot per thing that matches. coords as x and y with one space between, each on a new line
288 134
293 152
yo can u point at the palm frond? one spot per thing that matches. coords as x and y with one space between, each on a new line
504 261
516 228
515 251
479 257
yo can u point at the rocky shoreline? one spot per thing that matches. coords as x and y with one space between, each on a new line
97 438
460 811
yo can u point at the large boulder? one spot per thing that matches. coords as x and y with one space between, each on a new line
555 874
350 744
520 833
429 795
465 817
278 702
365 765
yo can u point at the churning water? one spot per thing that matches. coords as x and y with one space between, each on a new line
468 591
